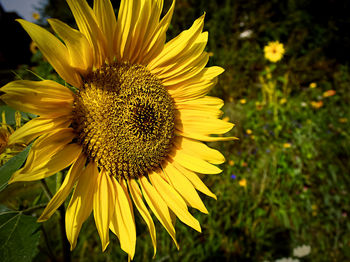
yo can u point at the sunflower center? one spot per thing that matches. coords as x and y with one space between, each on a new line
124 118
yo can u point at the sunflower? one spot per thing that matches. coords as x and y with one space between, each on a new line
274 51
128 123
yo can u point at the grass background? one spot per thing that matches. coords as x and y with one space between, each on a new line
296 165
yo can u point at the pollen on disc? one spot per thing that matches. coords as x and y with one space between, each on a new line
124 119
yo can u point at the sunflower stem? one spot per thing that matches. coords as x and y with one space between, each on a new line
46 189
65 243
49 249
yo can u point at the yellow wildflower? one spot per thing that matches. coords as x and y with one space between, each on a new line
287 145
226 118
258 105
249 131
314 209
7 148
231 162
243 101
243 182
313 85
283 101
274 51
316 104
329 93
36 16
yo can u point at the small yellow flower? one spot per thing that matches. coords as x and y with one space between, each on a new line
329 93
316 104
226 118
313 85
9 149
258 105
243 182
283 101
287 145
252 137
243 101
274 51
314 209
231 162
343 120
36 16
249 131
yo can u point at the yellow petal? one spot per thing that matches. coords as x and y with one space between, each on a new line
189 72
193 121
204 112
107 22
129 12
66 187
140 29
198 149
104 204
175 47
79 49
195 164
88 25
45 147
54 51
154 41
189 63
158 207
194 179
192 91
207 74
80 205
184 187
122 223
36 127
206 103
45 98
56 163
174 201
141 207
203 137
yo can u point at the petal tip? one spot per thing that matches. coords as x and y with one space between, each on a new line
105 246
41 219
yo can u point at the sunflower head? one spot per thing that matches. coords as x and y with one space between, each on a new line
124 119
133 131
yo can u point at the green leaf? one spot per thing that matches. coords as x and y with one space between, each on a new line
19 236
11 166
10 115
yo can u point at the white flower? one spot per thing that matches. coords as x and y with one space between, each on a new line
287 259
245 34
301 251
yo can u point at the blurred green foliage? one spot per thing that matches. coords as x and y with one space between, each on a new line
296 166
